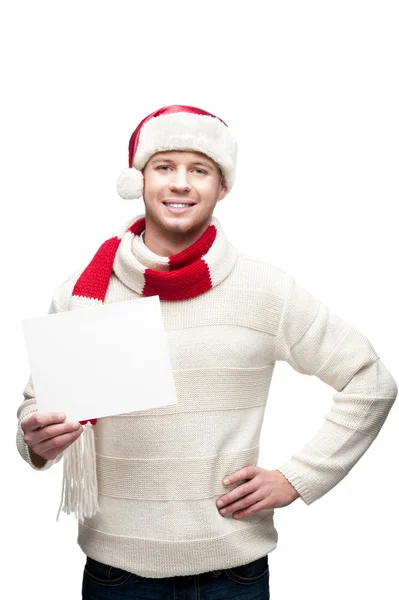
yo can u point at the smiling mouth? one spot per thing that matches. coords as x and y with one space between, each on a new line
179 204
178 207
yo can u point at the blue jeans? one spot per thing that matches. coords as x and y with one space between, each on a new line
246 582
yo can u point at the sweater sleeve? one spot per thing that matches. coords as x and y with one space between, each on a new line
59 303
315 341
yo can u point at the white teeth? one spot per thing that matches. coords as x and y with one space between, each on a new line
177 205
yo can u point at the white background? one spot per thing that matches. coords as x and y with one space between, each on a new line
311 91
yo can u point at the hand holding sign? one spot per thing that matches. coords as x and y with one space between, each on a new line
47 435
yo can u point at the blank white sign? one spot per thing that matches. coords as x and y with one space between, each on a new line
100 361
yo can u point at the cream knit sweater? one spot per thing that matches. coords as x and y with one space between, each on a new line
160 470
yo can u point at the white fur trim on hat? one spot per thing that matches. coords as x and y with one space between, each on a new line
130 184
189 131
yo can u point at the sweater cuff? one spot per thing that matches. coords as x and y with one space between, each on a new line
297 482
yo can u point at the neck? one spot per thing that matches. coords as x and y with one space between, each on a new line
168 243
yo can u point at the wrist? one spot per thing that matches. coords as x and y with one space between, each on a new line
37 461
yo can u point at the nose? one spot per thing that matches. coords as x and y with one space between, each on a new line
179 181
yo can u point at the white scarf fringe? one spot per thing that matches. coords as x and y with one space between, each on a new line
79 487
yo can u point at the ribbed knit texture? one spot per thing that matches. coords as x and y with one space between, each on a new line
160 470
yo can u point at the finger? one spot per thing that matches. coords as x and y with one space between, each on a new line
55 443
254 508
38 420
238 492
51 454
245 473
241 504
32 438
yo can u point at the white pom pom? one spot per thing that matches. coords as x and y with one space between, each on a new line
130 184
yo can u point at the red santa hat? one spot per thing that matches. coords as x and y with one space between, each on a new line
177 127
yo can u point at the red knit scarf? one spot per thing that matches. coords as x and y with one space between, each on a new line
188 276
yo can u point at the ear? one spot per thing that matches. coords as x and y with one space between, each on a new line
222 189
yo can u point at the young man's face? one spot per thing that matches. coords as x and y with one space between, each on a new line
182 178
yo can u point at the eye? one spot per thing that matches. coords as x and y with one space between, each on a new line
162 167
200 171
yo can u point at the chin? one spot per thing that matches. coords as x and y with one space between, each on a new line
180 222
181 225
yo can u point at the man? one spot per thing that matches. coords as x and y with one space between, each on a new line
228 318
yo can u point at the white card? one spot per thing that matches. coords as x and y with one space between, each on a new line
100 361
